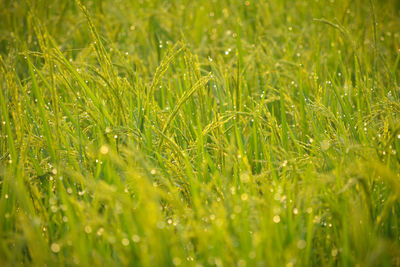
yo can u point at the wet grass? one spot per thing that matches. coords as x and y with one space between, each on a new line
200 133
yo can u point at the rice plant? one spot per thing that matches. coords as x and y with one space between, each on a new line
200 133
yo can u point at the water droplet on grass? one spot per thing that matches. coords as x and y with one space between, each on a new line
125 242
100 231
136 238
104 149
334 252
88 229
55 247
301 244
176 261
276 219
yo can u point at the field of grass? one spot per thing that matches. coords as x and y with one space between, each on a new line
200 133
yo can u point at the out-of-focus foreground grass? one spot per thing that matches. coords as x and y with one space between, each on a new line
200 133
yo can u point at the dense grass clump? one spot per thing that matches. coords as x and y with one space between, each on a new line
200 133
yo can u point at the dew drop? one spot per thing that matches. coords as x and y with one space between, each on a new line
104 149
136 238
301 244
125 242
55 247
88 229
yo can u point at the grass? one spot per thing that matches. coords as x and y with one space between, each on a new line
200 133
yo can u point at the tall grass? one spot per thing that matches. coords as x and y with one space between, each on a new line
199 133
